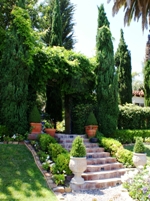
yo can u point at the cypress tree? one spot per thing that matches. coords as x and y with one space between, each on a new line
147 73
123 63
107 90
15 68
52 89
56 33
66 14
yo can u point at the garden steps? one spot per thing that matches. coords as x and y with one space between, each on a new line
102 170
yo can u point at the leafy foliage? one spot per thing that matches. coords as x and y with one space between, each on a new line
54 150
139 146
16 65
106 80
78 148
91 120
66 15
146 83
133 10
45 140
79 116
59 179
35 115
123 63
137 183
126 136
133 117
61 165
116 149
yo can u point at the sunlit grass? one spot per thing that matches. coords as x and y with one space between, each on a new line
20 179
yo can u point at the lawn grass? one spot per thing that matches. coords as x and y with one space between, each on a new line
130 147
20 179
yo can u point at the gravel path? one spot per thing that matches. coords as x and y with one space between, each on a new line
110 194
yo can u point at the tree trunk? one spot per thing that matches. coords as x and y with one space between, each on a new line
67 114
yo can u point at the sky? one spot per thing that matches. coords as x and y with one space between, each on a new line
85 17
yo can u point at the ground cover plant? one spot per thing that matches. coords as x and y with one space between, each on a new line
20 178
137 183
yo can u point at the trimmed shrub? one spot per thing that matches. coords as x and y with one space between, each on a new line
59 179
125 156
133 117
129 136
116 150
91 120
42 156
34 115
78 148
45 140
139 146
61 165
54 150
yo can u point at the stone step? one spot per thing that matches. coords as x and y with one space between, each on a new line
105 160
103 167
103 174
97 184
94 149
88 145
102 170
68 140
69 136
97 154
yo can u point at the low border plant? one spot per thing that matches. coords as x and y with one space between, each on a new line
137 183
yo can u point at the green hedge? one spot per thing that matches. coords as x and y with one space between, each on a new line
133 117
128 136
116 150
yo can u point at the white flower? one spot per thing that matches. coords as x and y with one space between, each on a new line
14 136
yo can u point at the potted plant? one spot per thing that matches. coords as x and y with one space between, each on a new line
91 125
139 155
78 163
49 128
35 121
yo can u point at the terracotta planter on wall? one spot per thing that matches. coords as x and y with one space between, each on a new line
36 128
50 131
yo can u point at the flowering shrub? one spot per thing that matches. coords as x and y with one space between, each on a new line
137 183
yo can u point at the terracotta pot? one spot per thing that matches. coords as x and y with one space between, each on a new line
36 128
91 133
89 127
50 131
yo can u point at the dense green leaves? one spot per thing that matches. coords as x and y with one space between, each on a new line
15 68
123 63
147 83
107 90
65 19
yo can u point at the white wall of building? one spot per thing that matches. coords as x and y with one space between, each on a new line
138 100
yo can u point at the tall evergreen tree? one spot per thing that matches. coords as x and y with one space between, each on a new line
147 74
16 66
123 63
66 14
107 90
56 32
52 89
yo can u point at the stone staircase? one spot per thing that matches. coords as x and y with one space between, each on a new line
102 170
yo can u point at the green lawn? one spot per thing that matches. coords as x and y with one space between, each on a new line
130 147
20 179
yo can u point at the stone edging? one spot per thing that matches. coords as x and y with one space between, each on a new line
57 190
